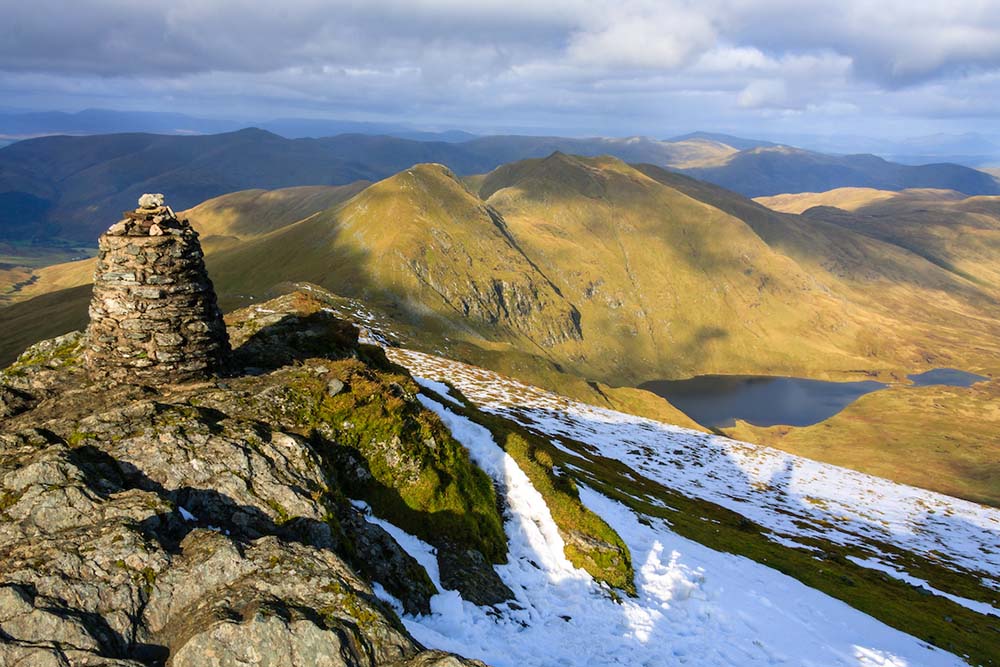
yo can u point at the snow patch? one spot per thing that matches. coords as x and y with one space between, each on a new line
875 564
439 388
694 605
791 496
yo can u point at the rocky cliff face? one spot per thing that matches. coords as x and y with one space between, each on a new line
208 524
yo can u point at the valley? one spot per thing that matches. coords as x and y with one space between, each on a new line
718 400
590 276
66 186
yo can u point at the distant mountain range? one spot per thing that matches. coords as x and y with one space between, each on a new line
972 149
776 170
24 125
738 143
70 186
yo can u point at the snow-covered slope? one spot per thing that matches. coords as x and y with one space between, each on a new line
695 605
793 496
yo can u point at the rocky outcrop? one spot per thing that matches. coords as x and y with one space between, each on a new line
153 316
524 304
184 526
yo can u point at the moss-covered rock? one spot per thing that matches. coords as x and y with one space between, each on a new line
214 517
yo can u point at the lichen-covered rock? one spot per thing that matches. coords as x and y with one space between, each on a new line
183 525
437 659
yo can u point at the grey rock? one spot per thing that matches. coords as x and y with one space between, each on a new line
118 229
438 659
184 526
468 572
98 555
155 282
151 201
382 560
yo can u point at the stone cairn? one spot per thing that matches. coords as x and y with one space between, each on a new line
153 317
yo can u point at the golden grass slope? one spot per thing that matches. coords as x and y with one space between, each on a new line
692 153
221 222
418 242
918 314
667 285
959 234
946 439
852 199
251 213
848 199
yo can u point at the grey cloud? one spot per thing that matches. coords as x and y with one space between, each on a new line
896 43
164 37
636 65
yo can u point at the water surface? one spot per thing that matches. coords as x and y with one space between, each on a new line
947 376
718 400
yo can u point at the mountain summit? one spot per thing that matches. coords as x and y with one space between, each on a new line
206 522
321 505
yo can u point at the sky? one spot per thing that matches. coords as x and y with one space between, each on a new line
767 68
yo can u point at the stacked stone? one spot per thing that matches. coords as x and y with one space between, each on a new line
154 316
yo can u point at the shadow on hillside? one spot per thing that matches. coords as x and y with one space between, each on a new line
46 316
292 339
461 567
696 349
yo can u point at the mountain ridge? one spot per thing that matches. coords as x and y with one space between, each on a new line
590 276
61 186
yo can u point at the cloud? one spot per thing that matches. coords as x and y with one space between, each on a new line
661 38
895 43
608 63
770 93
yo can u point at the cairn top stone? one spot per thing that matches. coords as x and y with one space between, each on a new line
149 200
152 218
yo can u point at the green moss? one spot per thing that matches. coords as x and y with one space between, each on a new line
148 576
76 438
591 544
409 468
350 606
282 514
65 353
7 500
